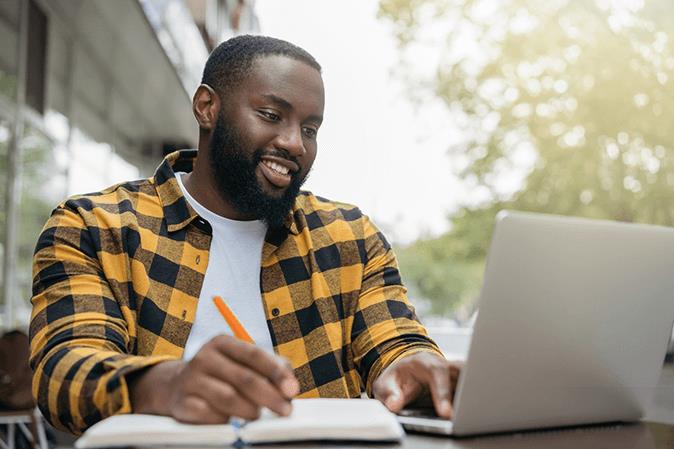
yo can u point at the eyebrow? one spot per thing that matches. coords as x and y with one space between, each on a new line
285 104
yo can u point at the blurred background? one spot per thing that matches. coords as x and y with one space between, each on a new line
438 114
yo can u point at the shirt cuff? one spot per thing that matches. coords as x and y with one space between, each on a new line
117 387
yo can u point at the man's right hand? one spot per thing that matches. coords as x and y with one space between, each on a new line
227 377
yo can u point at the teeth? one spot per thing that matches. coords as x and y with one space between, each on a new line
277 167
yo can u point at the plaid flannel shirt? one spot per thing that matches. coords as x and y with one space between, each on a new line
117 276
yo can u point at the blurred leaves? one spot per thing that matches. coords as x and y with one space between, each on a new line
564 106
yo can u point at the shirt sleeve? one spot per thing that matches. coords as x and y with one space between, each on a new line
79 331
385 326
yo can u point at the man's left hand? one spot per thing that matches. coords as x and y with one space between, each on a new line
413 378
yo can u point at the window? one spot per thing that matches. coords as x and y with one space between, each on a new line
37 58
4 143
43 187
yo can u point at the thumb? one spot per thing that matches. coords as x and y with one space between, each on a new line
395 400
390 393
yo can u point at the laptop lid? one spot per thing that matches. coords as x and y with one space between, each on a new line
575 315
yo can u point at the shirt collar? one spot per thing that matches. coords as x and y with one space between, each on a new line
177 210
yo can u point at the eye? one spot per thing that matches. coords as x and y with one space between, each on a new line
269 115
310 132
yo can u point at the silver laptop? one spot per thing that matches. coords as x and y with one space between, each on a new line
575 317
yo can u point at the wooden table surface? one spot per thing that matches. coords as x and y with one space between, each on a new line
645 435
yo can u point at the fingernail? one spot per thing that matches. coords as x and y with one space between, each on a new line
392 401
290 387
286 409
445 408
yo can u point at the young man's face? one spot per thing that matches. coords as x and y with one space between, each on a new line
264 142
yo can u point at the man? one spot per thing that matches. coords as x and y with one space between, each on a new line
123 319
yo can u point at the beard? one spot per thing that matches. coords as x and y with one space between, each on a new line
234 169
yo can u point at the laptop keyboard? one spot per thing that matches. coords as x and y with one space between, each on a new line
419 413
424 420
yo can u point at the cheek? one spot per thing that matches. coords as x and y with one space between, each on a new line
307 160
253 132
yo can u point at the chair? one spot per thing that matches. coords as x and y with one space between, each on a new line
21 419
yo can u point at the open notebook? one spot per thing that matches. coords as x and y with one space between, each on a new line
311 419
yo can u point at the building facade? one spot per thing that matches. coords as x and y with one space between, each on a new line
92 92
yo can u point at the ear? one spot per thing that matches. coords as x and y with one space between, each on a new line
206 106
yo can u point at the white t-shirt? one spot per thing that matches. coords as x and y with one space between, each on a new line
233 273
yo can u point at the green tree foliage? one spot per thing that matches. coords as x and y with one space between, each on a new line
447 269
574 97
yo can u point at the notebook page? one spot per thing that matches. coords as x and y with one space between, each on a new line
327 419
153 430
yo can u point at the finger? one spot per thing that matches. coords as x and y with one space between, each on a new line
196 410
273 367
248 382
454 372
227 400
440 385
254 387
390 393
396 390
289 385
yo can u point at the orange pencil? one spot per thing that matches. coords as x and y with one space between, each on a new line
237 328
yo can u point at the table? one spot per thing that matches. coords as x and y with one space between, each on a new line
644 435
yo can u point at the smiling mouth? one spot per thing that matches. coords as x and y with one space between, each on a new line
278 168
278 175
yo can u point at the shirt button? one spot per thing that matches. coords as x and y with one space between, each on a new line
275 311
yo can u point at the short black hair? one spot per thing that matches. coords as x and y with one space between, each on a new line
232 60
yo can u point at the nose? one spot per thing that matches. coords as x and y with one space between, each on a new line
290 140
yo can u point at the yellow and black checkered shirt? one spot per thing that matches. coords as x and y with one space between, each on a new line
117 276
